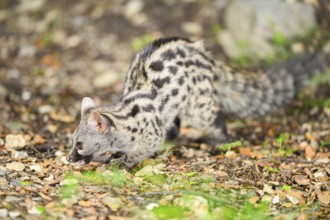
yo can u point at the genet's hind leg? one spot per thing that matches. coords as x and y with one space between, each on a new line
217 129
173 132
210 119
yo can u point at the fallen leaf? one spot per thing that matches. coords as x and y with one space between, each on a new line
44 196
309 152
268 189
245 151
254 200
295 197
287 205
113 203
85 203
324 197
301 180
51 60
39 140
222 174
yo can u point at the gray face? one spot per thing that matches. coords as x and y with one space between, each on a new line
96 138
91 145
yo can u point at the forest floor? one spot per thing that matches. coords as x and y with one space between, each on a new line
276 168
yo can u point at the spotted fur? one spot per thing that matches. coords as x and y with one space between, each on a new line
175 79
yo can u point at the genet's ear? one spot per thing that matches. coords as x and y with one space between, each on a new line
86 104
97 122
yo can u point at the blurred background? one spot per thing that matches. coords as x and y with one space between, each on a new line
53 53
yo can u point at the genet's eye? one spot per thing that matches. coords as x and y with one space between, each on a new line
80 145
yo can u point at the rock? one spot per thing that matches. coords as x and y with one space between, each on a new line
276 199
192 28
252 24
17 166
36 168
3 181
15 182
3 213
14 214
3 171
44 109
27 50
15 142
105 79
30 6
19 154
3 91
73 41
133 7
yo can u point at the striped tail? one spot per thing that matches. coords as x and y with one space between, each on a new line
252 95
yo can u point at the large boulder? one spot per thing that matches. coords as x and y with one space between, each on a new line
252 24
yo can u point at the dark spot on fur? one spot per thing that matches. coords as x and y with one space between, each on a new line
181 53
179 63
157 66
164 101
144 73
181 80
194 80
135 110
189 63
134 130
173 69
175 92
168 55
159 83
159 123
148 108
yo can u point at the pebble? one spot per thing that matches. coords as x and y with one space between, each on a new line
27 51
10 199
19 154
17 166
3 91
3 213
3 181
133 7
192 28
44 109
14 214
36 168
3 171
15 182
31 5
73 41
15 142
105 79
276 199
